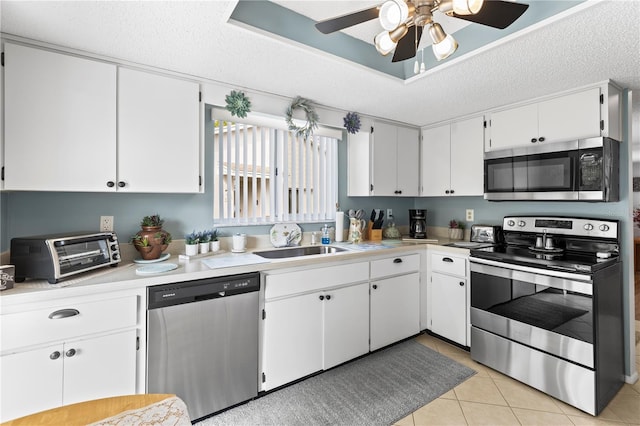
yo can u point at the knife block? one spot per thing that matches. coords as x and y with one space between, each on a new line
374 234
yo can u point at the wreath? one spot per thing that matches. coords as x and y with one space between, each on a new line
311 115
352 122
238 104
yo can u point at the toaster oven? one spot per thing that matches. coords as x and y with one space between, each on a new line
54 257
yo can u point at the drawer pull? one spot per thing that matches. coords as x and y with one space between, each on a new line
328 297
397 260
54 355
70 353
461 283
375 286
321 297
447 259
64 313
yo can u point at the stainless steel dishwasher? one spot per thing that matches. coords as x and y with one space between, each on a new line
202 341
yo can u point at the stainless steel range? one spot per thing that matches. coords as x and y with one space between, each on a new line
546 307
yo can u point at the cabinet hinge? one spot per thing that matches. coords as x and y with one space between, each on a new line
485 124
200 180
489 143
276 171
2 59
2 173
264 314
199 96
601 124
371 129
601 99
264 377
371 187
137 343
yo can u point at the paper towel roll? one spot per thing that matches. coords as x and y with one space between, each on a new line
339 226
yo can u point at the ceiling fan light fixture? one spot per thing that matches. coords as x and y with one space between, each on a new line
460 7
445 48
393 13
386 41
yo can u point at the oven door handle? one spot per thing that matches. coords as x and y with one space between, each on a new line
556 279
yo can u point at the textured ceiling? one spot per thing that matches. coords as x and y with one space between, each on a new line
592 44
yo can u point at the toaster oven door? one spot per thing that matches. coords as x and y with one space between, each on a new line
82 254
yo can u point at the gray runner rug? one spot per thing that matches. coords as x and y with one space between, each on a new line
378 389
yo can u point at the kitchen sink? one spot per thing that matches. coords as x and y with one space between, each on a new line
298 251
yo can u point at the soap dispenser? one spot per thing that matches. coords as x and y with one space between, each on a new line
326 239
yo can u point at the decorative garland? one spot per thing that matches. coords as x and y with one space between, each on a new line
312 117
352 122
238 104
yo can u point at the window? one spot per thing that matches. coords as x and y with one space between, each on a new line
265 175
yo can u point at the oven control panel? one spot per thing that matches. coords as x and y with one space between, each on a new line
588 227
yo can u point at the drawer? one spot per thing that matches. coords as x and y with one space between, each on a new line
66 321
303 281
448 264
395 265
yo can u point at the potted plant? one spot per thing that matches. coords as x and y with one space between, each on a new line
215 244
191 243
456 230
151 241
204 238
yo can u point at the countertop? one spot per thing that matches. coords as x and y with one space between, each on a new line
124 276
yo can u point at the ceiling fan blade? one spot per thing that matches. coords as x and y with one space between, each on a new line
406 47
345 21
496 13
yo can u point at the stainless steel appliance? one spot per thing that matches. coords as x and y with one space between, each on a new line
417 223
56 256
481 236
586 169
546 307
202 341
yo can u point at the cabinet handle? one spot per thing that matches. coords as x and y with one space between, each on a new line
447 259
534 140
397 260
461 283
328 297
54 355
541 139
121 184
64 313
375 286
321 297
111 184
452 191
70 353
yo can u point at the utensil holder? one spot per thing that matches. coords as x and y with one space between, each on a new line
375 234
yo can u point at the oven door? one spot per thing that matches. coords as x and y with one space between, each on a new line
551 313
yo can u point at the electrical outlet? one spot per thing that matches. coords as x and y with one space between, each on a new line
389 213
469 215
106 223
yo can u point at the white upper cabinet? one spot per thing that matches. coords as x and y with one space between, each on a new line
77 124
60 121
383 163
158 133
586 113
452 159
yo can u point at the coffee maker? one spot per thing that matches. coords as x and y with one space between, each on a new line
417 223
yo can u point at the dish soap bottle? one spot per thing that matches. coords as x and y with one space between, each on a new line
326 239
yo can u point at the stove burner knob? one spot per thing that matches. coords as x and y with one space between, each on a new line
588 227
521 223
604 227
511 223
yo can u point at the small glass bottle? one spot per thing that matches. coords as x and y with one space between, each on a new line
326 239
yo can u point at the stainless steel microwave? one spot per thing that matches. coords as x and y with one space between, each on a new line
54 257
580 170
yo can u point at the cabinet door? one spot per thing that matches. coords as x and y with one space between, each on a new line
346 324
570 117
384 162
408 160
158 133
467 155
60 121
435 161
100 367
448 307
513 127
358 167
395 309
292 343
31 381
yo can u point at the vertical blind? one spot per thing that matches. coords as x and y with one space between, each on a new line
269 175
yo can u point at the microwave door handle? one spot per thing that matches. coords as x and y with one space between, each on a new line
588 157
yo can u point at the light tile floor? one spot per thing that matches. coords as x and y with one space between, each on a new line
491 398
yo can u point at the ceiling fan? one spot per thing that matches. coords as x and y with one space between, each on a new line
404 21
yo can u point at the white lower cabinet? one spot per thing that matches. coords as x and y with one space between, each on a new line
66 352
395 309
448 282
